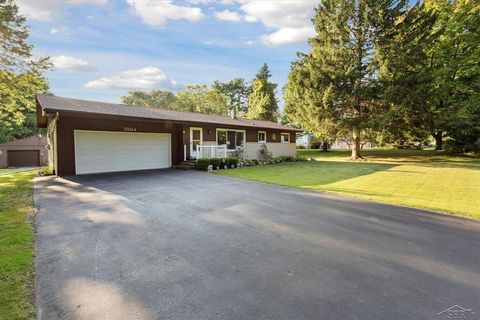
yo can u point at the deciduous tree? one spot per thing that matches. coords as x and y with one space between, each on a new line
20 75
153 99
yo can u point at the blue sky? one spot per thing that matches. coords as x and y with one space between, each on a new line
104 48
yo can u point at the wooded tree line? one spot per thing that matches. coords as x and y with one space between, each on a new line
389 71
255 100
21 76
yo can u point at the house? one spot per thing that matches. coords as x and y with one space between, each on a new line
26 152
305 140
93 137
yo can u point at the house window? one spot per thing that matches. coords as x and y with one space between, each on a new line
221 137
239 138
262 136
231 138
285 138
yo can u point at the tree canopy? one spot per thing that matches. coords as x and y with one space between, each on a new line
154 99
390 70
262 103
236 91
20 76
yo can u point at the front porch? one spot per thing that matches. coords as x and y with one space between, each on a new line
214 143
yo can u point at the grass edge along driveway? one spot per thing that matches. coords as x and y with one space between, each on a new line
17 252
422 179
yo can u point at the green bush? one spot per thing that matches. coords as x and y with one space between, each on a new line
46 171
215 162
202 164
301 159
231 161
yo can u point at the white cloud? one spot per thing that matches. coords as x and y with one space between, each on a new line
156 13
288 35
54 30
71 63
228 15
47 10
144 78
291 18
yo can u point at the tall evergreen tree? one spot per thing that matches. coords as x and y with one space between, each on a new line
237 92
336 81
262 103
405 75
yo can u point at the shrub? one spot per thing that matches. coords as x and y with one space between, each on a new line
46 171
231 161
202 164
216 162
265 155
300 146
301 159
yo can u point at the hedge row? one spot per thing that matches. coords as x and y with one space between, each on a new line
222 163
217 163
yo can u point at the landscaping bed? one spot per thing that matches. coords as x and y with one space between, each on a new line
210 164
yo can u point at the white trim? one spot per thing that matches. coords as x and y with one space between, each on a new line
236 130
139 133
192 152
265 134
281 134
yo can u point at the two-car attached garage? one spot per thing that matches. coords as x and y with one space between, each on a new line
104 151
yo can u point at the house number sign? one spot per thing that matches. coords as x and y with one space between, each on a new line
129 129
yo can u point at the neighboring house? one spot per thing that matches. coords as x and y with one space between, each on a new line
342 144
305 140
92 137
26 152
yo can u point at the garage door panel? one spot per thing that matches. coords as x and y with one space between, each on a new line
118 151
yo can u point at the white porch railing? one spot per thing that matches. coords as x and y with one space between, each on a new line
211 151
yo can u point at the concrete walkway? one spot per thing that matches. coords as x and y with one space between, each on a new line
189 245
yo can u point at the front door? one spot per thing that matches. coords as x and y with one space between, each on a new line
196 139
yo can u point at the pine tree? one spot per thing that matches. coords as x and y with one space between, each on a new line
262 103
336 82
259 102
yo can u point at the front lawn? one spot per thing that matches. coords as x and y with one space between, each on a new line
423 179
16 246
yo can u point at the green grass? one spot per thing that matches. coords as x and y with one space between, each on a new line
417 178
16 246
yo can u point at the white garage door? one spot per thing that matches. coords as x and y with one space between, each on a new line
101 151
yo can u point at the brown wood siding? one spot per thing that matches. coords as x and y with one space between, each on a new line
23 158
67 125
209 134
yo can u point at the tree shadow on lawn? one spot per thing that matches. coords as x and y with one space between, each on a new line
312 173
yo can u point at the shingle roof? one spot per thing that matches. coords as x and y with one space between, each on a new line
51 103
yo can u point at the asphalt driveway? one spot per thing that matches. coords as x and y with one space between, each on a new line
188 245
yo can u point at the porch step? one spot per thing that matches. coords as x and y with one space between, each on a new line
186 165
183 167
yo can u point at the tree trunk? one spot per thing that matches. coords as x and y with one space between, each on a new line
438 140
356 146
324 146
